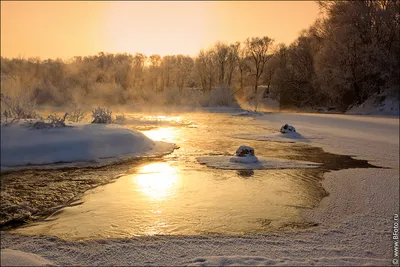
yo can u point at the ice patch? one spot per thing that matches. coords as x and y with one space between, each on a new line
290 137
10 257
249 114
230 163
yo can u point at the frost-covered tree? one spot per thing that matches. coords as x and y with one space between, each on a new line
205 69
258 51
360 52
184 67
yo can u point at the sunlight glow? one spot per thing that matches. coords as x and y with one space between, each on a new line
163 118
157 180
167 134
81 28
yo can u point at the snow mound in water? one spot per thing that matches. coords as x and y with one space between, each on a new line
230 163
287 129
290 137
247 159
10 257
244 154
90 143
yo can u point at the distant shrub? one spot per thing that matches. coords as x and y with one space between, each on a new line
101 115
57 121
53 121
18 107
75 113
120 119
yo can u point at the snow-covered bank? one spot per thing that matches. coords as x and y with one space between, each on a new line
378 105
11 257
88 143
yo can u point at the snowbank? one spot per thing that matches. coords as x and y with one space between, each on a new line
227 163
89 143
377 105
10 257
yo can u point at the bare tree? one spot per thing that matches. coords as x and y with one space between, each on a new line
257 49
139 61
232 62
184 68
205 68
243 65
167 65
221 53
154 71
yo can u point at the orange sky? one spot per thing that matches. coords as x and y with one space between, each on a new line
66 29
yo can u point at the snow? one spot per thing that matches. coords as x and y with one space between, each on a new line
262 261
10 257
250 163
355 222
246 159
89 143
375 106
232 261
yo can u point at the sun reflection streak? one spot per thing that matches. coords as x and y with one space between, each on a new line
167 134
157 180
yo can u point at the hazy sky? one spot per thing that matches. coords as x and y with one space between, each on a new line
66 29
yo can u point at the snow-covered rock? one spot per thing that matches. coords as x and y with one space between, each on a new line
245 151
90 143
287 129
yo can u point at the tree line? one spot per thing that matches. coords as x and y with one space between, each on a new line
350 53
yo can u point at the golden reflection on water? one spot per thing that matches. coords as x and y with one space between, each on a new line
166 134
163 118
158 181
